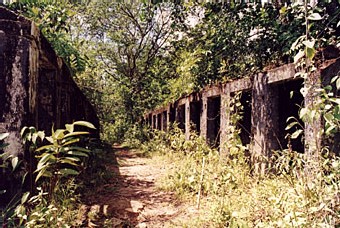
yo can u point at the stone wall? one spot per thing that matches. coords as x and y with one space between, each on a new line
267 100
36 87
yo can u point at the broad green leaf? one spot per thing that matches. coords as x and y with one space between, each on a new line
35 10
338 84
329 117
309 44
78 148
3 136
298 56
47 148
334 79
85 124
69 158
15 162
50 139
69 141
46 158
315 17
63 161
296 134
292 124
59 134
310 52
24 197
78 153
22 132
68 172
76 133
69 127
43 172
303 112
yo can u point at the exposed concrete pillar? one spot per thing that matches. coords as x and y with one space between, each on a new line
225 115
204 116
313 127
264 122
168 122
187 118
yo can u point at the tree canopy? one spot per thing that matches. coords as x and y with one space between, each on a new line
132 57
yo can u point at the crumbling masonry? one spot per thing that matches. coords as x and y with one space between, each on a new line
266 98
36 87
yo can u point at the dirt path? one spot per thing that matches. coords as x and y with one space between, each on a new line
131 199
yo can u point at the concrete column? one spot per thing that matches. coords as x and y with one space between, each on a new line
168 122
204 116
264 122
313 127
225 115
187 119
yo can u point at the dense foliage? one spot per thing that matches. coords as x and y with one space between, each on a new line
141 60
133 57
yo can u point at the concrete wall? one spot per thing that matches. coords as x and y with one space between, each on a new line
268 104
36 87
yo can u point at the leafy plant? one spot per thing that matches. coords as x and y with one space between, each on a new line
62 156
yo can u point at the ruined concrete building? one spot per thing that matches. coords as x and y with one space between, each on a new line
267 103
36 87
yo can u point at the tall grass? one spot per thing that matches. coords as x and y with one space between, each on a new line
232 196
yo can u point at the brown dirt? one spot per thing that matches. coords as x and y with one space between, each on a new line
131 198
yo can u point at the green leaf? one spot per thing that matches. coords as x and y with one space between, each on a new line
47 148
338 84
315 17
296 134
329 117
50 139
67 161
69 127
3 136
46 158
68 172
85 124
59 134
69 141
76 133
15 162
24 197
309 44
298 56
43 172
78 153
77 148
289 126
310 53
334 79
303 112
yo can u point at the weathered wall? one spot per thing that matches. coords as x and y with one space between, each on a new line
268 105
36 87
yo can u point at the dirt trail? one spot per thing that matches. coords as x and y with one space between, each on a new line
131 199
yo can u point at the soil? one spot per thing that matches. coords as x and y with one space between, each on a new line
131 198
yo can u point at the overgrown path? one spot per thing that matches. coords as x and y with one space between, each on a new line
131 199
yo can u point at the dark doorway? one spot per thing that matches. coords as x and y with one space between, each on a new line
290 101
180 117
164 120
195 113
245 123
213 121
159 121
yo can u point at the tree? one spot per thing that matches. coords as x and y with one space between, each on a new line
128 41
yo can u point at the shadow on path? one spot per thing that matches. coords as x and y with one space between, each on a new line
130 198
